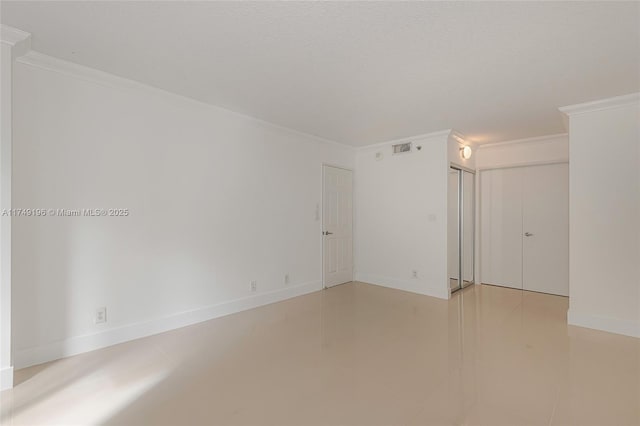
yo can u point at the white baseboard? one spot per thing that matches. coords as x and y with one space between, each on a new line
6 378
80 344
612 325
413 286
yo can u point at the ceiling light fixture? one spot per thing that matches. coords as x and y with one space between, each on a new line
465 152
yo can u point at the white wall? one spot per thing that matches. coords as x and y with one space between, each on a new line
604 207
401 216
216 200
539 150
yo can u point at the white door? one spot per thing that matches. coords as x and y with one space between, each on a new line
545 225
337 221
501 227
524 234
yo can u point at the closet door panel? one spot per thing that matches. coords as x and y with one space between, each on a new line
546 229
453 235
468 226
501 227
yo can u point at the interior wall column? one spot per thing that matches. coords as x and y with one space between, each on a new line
14 43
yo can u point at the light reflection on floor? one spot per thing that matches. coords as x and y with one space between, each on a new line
356 354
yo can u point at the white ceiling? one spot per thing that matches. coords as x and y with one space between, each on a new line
359 72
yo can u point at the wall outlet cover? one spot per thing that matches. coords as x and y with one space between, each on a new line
101 315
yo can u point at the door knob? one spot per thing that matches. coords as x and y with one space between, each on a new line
528 234
327 233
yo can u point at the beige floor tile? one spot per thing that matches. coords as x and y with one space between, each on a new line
356 354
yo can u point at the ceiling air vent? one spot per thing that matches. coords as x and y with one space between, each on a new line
402 148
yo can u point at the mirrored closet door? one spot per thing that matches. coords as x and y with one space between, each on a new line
461 222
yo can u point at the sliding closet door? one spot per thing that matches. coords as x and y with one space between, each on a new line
461 228
453 230
468 226
545 228
501 227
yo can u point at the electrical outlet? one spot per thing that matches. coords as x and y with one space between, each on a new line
286 279
414 274
101 315
254 285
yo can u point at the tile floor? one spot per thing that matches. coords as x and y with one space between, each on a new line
356 354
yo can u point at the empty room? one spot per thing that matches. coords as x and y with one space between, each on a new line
340 213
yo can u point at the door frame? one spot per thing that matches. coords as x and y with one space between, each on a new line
478 234
353 222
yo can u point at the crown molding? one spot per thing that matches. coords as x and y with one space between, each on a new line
461 139
95 76
524 140
601 104
20 41
12 36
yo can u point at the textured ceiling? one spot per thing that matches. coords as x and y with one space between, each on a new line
359 72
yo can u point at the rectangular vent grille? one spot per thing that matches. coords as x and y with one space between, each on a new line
402 148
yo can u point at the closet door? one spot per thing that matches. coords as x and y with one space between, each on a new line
461 228
453 230
545 229
501 227
468 226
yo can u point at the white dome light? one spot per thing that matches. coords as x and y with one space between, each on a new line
465 152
